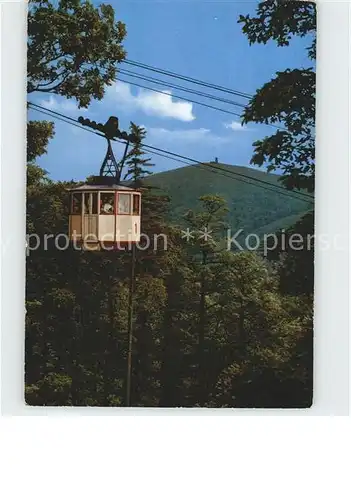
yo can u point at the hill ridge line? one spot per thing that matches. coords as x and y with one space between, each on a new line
219 165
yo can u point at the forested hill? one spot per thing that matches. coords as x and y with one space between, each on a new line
252 207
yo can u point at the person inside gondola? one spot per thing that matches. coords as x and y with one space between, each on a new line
107 204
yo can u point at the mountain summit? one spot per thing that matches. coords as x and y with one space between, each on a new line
253 206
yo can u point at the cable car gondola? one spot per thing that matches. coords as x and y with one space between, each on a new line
104 216
103 213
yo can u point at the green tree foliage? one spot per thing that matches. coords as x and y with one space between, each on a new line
136 162
296 266
256 343
206 228
289 98
38 135
258 331
207 225
210 328
47 203
73 48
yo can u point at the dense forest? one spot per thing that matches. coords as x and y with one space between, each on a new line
211 327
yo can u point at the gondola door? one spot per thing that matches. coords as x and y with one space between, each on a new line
90 217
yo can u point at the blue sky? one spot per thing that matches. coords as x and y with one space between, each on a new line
197 38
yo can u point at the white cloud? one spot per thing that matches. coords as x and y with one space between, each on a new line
236 126
195 135
63 105
151 103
